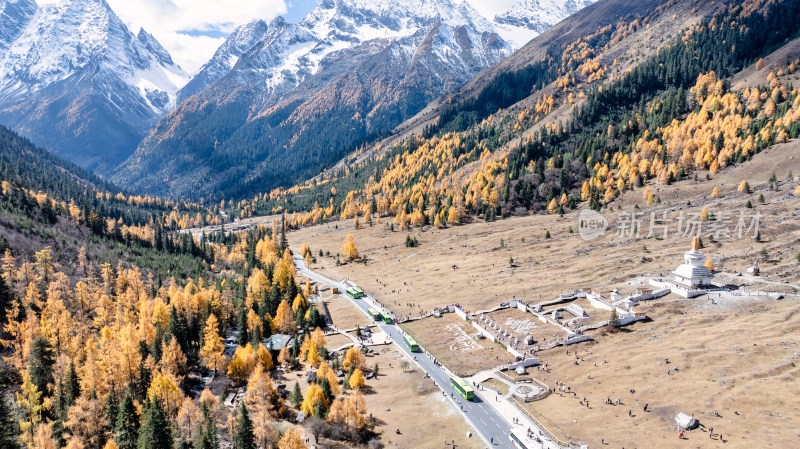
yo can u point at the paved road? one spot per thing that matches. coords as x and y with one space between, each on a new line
483 418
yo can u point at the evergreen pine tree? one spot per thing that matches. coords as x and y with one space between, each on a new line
284 241
112 410
9 433
326 389
296 396
156 349
40 366
320 411
126 425
177 327
274 300
143 382
241 326
155 432
244 439
6 297
206 431
72 388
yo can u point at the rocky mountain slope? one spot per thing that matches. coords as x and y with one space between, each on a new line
76 80
306 94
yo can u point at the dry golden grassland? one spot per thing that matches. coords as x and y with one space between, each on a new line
738 355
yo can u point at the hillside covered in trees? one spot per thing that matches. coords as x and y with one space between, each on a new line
587 130
114 323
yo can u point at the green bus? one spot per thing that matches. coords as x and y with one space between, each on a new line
386 318
375 315
411 343
462 387
355 293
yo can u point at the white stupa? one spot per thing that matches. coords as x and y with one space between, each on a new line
692 278
692 272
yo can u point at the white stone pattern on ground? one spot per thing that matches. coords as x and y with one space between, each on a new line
459 340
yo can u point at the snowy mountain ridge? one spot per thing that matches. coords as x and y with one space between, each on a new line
75 79
65 37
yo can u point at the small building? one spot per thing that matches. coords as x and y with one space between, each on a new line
276 342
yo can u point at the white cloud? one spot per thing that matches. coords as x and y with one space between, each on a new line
170 20
490 8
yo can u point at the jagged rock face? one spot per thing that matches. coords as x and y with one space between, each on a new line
241 40
76 80
305 95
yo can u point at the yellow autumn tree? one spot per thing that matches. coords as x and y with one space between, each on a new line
212 351
552 207
86 423
292 439
165 390
29 401
284 319
349 411
242 364
299 302
353 357
744 187
263 357
349 249
715 192
325 372
43 439
357 380
709 264
585 191
313 396
704 214
260 401
173 362
284 357
452 215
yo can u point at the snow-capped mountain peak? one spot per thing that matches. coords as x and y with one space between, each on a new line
64 37
238 42
527 19
154 47
72 75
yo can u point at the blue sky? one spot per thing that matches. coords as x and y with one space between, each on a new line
298 9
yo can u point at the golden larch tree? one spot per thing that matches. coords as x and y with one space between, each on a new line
292 439
357 380
349 411
313 396
353 357
212 351
86 422
260 401
284 319
164 389
349 249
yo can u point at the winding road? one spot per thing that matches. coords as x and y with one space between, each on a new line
487 422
